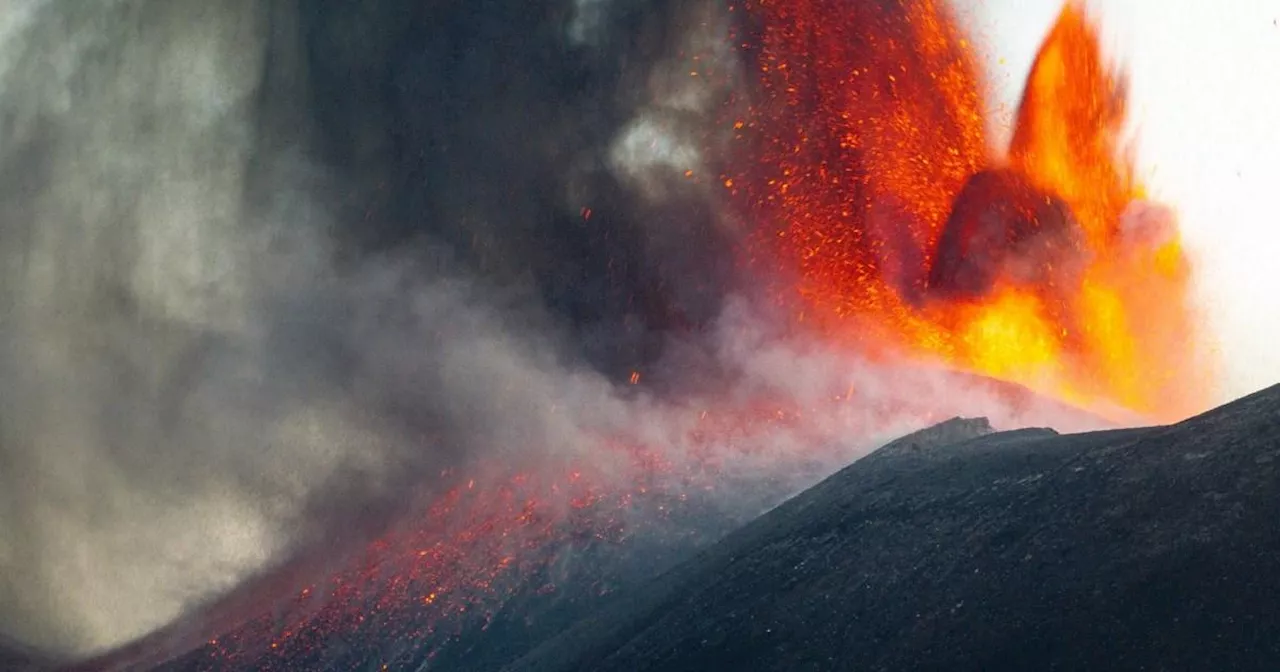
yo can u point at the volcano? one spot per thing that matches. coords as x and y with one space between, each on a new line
475 415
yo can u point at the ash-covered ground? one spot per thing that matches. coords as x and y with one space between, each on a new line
960 549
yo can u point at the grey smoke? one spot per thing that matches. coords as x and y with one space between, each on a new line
208 358
189 373
154 446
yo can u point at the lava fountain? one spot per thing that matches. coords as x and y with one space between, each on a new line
867 165
896 233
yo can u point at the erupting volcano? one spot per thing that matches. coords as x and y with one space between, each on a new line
868 170
888 224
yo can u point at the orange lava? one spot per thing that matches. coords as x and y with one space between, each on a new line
1058 274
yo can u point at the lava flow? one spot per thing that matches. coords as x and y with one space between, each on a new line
869 166
867 174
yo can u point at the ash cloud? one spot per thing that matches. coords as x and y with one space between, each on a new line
261 254
270 267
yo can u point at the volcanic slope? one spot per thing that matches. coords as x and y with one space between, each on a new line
957 548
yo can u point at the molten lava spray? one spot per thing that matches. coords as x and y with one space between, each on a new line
866 163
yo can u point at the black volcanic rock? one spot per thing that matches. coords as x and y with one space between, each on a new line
959 549
1002 226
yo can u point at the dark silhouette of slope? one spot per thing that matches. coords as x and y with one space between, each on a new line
17 658
960 549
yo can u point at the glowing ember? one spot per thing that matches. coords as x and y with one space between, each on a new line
877 188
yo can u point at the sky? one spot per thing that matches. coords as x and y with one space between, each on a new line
1205 108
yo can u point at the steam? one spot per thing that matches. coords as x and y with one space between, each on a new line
210 358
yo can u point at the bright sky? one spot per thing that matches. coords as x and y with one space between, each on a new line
1205 87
